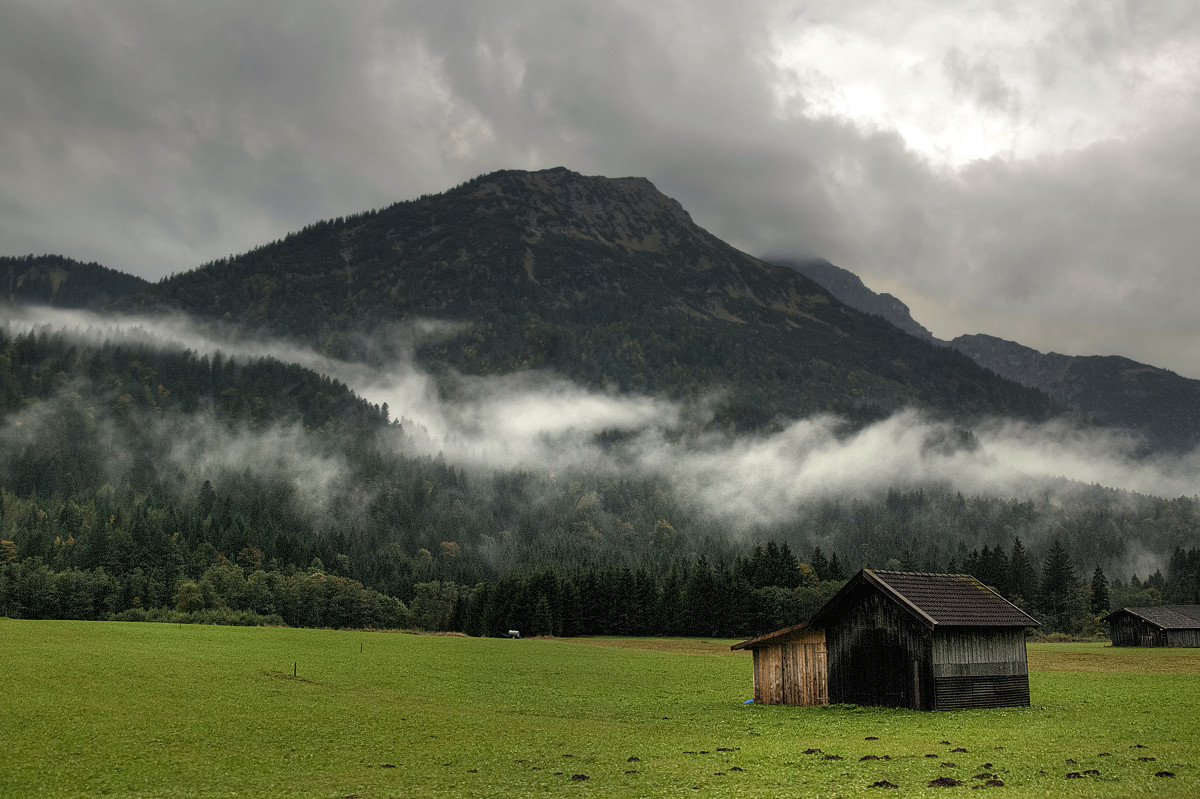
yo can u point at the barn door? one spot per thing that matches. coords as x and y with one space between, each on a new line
879 671
892 675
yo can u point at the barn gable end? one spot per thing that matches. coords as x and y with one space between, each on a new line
879 652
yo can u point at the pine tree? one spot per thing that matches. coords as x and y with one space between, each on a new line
1022 579
543 621
1058 581
820 564
836 572
1100 600
788 569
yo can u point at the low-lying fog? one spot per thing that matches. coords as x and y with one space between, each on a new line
540 421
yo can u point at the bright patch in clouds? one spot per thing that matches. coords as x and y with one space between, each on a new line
966 82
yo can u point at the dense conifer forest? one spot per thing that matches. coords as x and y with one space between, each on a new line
137 482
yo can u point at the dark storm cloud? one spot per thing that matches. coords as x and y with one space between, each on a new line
153 136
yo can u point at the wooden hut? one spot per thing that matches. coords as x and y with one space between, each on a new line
921 641
925 642
1165 625
789 666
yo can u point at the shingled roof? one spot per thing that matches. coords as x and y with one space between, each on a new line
1167 617
939 600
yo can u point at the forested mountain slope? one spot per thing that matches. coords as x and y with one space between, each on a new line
607 282
138 475
63 283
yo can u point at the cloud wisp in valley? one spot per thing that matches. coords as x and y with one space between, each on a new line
542 423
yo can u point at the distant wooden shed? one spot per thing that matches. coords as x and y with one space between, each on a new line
1165 625
789 666
900 639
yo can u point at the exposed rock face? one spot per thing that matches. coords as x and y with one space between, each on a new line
848 288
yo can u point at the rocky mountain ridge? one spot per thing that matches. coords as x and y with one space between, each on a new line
1156 405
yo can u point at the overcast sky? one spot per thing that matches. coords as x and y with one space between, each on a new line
1025 169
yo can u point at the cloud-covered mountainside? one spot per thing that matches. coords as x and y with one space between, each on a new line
1159 407
534 375
536 424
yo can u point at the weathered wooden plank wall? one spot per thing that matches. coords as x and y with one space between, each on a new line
792 672
1189 638
878 654
980 668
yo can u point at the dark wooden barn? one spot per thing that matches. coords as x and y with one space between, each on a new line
921 641
789 666
925 642
1165 625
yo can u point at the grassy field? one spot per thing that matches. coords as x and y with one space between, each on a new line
94 709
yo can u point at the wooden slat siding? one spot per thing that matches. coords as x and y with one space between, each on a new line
805 681
878 654
978 667
959 693
1188 638
792 671
1123 629
772 675
967 652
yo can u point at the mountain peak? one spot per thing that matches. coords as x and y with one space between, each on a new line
618 211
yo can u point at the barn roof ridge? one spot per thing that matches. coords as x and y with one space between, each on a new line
1168 617
757 640
937 600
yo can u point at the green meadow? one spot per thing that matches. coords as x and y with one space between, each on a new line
128 709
